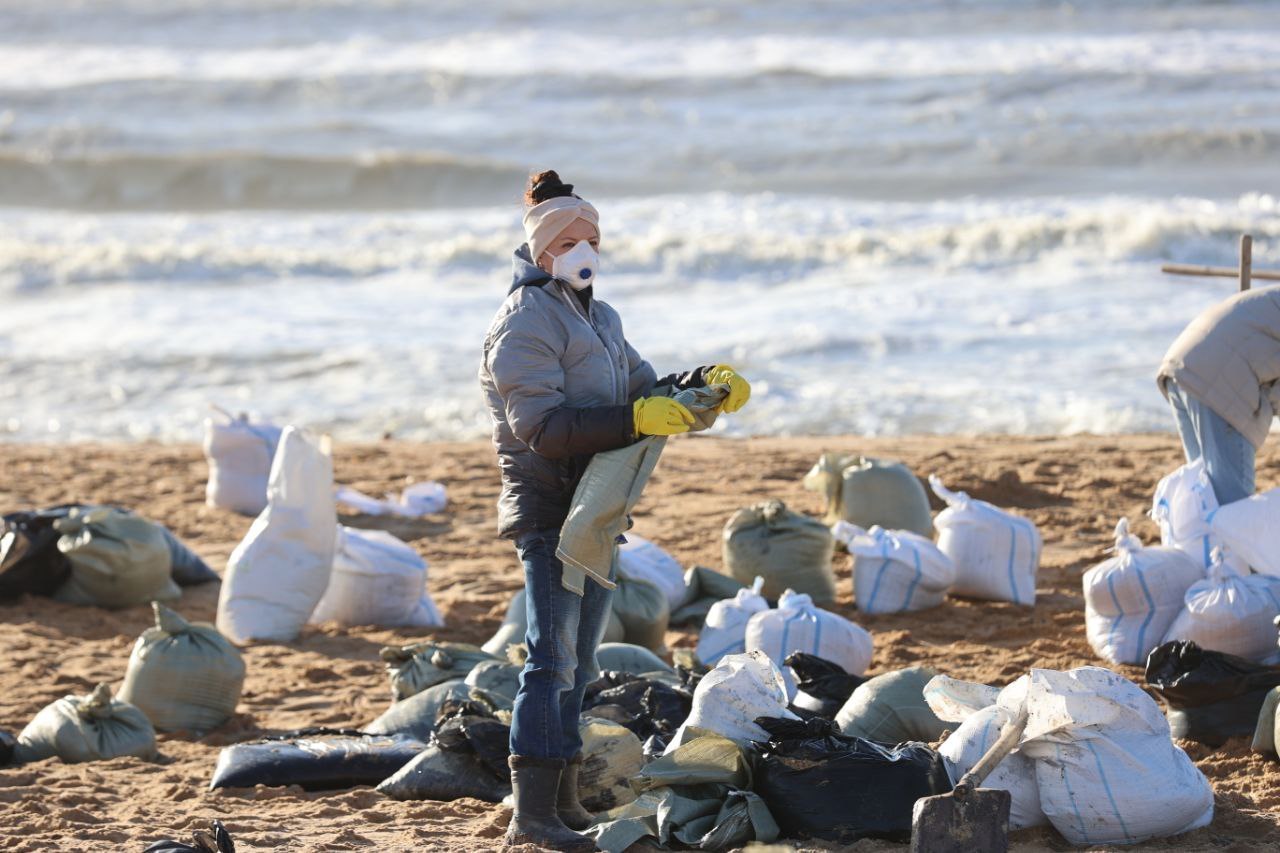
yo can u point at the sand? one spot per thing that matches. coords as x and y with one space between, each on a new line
1074 488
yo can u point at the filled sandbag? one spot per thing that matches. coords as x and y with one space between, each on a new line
1228 612
611 758
467 758
788 550
895 571
799 626
314 759
1107 769
1131 599
118 559
725 629
871 493
730 697
87 728
1181 507
891 708
240 455
1264 734
1250 529
628 657
278 573
647 705
996 553
413 668
30 562
416 716
639 558
974 707
376 580
641 609
1211 696
496 679
703 587
822 687
185 676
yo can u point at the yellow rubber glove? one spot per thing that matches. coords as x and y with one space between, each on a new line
739 388
661 416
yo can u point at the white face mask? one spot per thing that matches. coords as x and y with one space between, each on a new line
578 266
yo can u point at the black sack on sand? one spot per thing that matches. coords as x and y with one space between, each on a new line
7 744
30 562
820 784
654 707
822 687
1211 695
214 840
467 758
317 759
187 567
484 737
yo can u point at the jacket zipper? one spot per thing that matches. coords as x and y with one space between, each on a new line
577 309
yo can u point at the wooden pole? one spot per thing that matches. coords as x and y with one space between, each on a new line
1246 260
1220 272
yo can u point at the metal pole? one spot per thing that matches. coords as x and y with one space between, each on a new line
1246 260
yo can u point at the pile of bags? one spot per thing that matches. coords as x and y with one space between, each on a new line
1230 612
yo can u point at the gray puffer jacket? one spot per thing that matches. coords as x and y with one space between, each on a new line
559 380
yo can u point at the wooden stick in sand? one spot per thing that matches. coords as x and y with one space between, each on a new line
1245 273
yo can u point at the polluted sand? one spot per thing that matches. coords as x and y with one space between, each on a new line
1074 488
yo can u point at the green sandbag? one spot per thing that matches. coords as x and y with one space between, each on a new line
1264 736
416 667
183 675
117 559
787 549
890 709
87 728
416 716
514 624
642 609
870 492
611 758
627 657
497 679
703 587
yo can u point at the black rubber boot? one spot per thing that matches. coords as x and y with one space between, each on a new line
535 783
571 812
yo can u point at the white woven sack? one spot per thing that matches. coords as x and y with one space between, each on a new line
996 553
974 707
277 574
1229 612
797 625
895 571
724 632
1250 529
730 697
1108 771
642 559
239 454
377 580
1181 506
1131 599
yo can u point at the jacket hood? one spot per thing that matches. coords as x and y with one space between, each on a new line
524 272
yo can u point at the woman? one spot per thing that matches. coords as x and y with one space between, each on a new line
562 384
1222 378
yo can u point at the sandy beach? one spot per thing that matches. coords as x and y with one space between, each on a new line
1075 488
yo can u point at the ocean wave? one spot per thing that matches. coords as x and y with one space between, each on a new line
649 241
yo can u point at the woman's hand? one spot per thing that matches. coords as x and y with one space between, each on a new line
739 388
661 416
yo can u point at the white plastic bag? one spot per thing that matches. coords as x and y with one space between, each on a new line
729 698
725 629
278 573
981 719
640 558
377 580
1131 599
996 553
1107 769
1229 612
1250 529
239 454
1181 507
895 570
797 625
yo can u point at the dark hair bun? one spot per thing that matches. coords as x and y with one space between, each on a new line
545 185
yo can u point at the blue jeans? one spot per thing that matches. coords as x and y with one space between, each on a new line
564 631
1229 457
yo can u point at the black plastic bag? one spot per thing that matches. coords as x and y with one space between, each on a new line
822 687
30 562
187 567
820 784
653 707
1211 695
485 737
7 744
216 840
318 759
